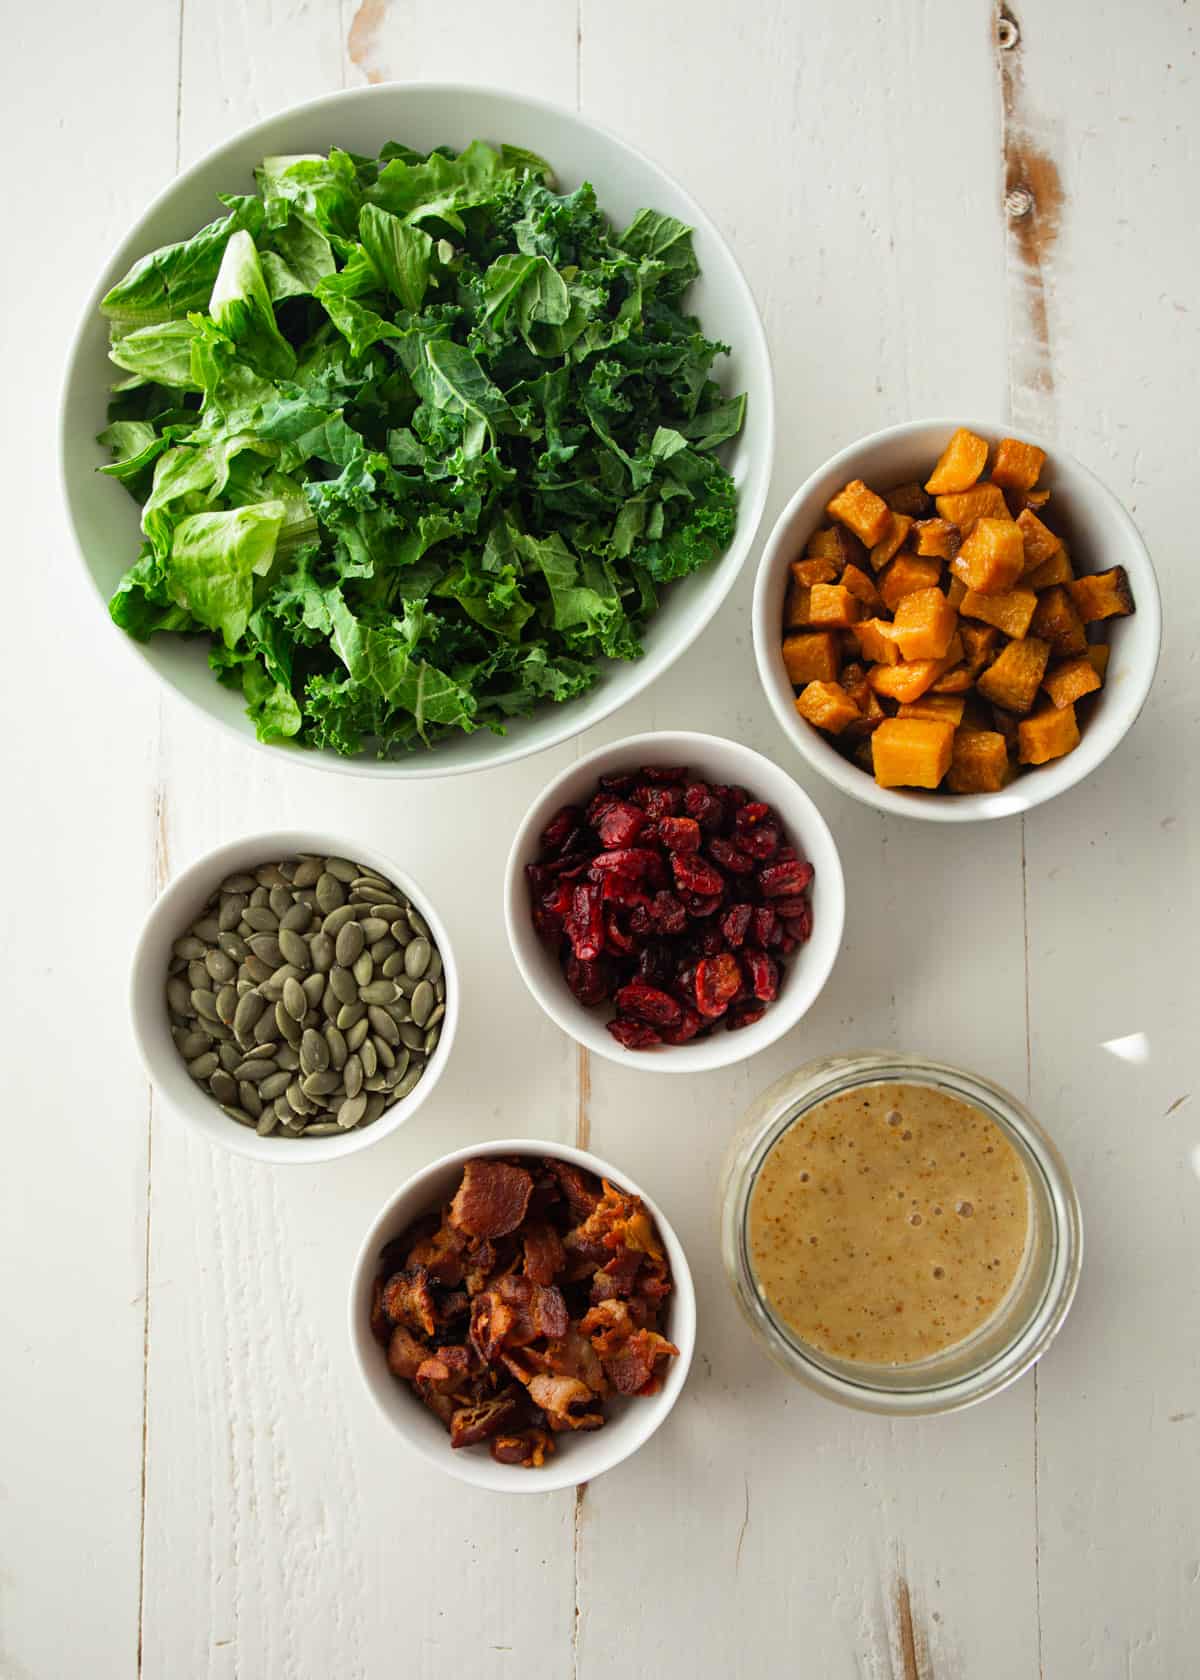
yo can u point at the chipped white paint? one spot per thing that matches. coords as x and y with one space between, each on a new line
266 1526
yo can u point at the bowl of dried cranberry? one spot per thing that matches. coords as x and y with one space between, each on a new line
523 1315
674 900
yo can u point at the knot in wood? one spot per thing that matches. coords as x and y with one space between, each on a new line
1018 203
1007 32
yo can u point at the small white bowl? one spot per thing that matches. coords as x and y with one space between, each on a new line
579 1458
175 909
105 519
1101 534
713 759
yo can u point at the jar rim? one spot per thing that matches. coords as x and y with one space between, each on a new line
798 1093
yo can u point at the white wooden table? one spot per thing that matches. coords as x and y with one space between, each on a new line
191 1482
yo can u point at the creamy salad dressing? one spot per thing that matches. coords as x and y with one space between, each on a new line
889 1223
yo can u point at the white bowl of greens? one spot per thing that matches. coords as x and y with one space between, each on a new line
423 460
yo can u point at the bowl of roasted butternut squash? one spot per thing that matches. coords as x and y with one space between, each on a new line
954 623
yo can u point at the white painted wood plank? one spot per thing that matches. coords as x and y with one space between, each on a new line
78 808
875 248
1112 868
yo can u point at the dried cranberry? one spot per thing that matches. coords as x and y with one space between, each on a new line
788 877
790 904
558 899
744 1013
620 823
756 830
729 856
640 924
667 913
737 796
547 925
710 940
685 1029
765 927
659 802
583 924
702 904
700 802
693 874
634 862
663 775
718 982
679 834
785 944
615 936
538 879
785 854
619 889
634 1035
619 783
562 825
800 926
735 924
589 981
763 975
647 1003
654 962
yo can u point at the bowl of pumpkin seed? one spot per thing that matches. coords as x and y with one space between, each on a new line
294 996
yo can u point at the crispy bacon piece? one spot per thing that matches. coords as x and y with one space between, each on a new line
380 1327
482 1261
441 1254
633 1368
408 1299
567 1402
530 1449
445 1369
544 1254
492 1199
615 1281
405 1354
469 1424
514 1313
578 1187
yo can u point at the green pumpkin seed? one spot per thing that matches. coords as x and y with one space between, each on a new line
294 999
275 1084
229 1056
422 1003
409 1082
379 991
295 949
416 957
321 949
337 919
288 1026
256 970
356 1037
230 912
412 1035
238 1114
296 1098
179 996
198 977
314 989
342 869
403 1058
351 1112
248 1012
322 1128
343 985
338 1051
377 1082
190 948
256 1069
387 1056
259 897
270 875
418 923
200 1067
364 969
439 988
406 985
267 949
297 918
227 1002
288 1057
308 872
319 1084
401 932
369 1058
371 928
383 1025
233 946
376 1103
352 1075
350 943
192 1044
438 1014
393 965
279 899
350 1014
205 1004
208 928
261 918
265 1030
400 1011
224 1087
249 1099
268 1120
314 1052
369 889
242 883
266 1051
330 893
434 971
431 1040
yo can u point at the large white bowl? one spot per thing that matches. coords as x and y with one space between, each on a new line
173 912
713 759
1101 534
579 1458
105 518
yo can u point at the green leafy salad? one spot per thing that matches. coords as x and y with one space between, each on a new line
418 441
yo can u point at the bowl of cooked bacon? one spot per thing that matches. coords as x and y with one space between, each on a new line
522 1306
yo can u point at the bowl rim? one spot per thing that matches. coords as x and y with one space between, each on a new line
720 1050
932 806
629 1432
190 1105
722 574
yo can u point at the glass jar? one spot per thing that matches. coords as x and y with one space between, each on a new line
1007 1343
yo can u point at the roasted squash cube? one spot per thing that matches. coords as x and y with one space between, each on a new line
836 544
911 752
904 575
862 587
959 464
992 558
912 677
1055 570
964 507
796 607
1048 734
877 639
1057 622
1039 540
1017 465
979 762
936 538
871 715
832 607
1011 612
1102 595
1098 654
1071 680
1005 724
979 641
814 657
867 514
956 593
910 499
944 708
959 679
827 706
1015 675
849 643
925 622
854 680
807 572
891 540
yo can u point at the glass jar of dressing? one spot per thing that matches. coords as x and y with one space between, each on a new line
902 1235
